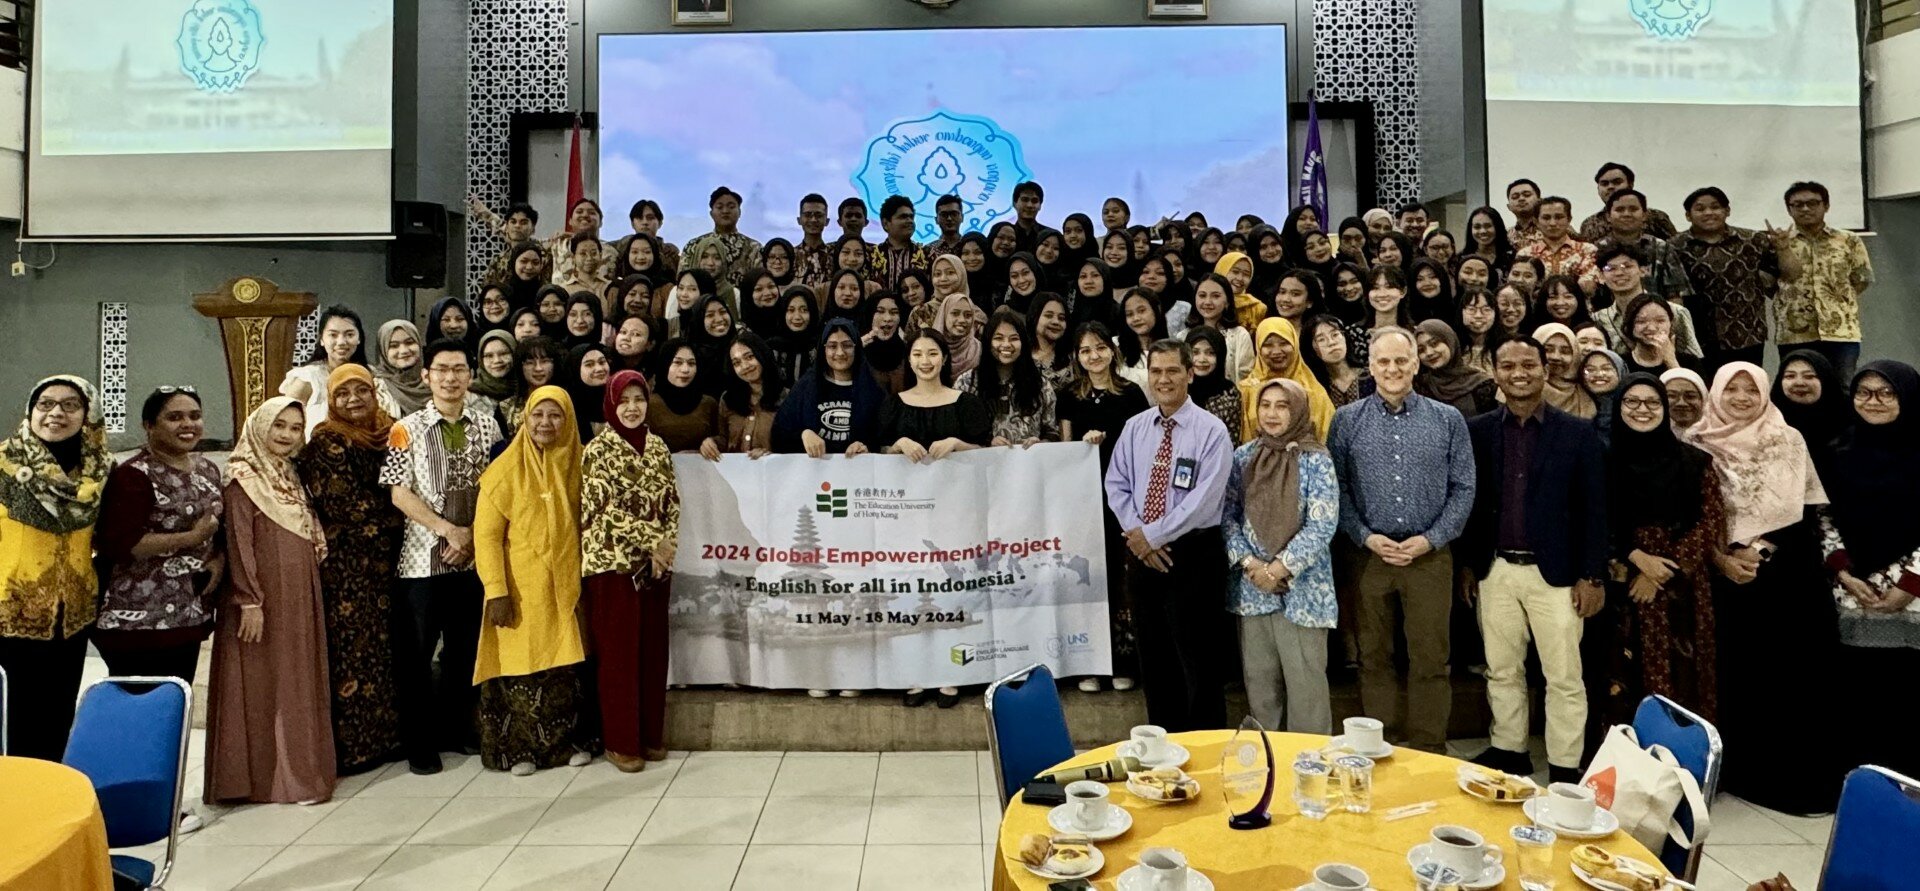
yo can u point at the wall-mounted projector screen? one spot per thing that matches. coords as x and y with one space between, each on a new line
173 119
1747 95
1138 112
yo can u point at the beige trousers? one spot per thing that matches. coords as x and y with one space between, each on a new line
1517 606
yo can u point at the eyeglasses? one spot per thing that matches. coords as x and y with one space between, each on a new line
1865 395
449 370
1805 203
64 406
1642 404
169 390
1619 267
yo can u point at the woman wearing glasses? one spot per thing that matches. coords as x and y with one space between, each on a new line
52 470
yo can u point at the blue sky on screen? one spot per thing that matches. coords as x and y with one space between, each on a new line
1140 112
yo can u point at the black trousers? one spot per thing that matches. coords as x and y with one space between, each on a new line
43 680
1180 621
443 612
178 661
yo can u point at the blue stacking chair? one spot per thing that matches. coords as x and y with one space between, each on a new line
130 739
1872 847
1026 728
1696 744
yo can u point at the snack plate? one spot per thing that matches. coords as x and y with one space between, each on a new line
1460 779
1096 861
1151 796
1605 885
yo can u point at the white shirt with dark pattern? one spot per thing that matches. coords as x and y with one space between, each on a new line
419 460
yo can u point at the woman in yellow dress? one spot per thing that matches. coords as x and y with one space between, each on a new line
1276 346
526 536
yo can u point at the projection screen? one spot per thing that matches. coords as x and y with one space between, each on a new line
175 119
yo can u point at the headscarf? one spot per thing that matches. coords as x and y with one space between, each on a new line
1206 386
764 321
1021 303
586 398
1653 479
1605 405
485 383
981 282
1266 276
1824 423
1319 404
1875 477
964 348
1353 312
885 355
595 334
711 350
439 309
1070 256
1690 376
1273 470
1565 395
796 343
407 386
1439 306
373 434
1246 307
793 264
609 408
1766 474
35 486
1454 381
269 480
833 310
678 399
538 488
1099 307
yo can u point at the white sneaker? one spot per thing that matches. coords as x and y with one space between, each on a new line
1089 685
580 759
1123 683
310 802
523 769
849 694
817 694
190 822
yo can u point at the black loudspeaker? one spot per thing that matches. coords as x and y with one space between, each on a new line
417 256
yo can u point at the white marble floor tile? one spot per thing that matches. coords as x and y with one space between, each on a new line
319 868
720 775
602 780
558 869
481 821
924 867
952 820
826 775
928 773
813 821
591 821
701 821
373 821
1752 863
396 781
437 867
790 867
260 824
546 784
680 867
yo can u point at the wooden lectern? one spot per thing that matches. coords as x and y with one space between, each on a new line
257 323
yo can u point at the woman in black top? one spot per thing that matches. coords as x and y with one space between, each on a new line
927 422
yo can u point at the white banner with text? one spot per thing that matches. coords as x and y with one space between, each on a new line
876 573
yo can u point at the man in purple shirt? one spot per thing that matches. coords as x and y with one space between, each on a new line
1166 486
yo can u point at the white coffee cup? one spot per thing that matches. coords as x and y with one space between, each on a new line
1165 869
1149 742
1365 735
1340 877
1460 848
1570 805
1089 805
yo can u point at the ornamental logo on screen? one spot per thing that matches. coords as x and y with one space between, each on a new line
220 44
1671 19
944 154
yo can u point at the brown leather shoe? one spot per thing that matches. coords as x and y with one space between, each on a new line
627 763
655 754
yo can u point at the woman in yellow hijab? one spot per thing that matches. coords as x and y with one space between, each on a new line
526 540
1237 269
1277 346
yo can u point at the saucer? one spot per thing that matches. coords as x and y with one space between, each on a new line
1604 822
1491 877
1149 795
1385 752
1096 861
1176 755
1460 779
1135 879
1119 820
1603 884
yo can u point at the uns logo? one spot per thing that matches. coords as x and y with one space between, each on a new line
1671 19
1061 644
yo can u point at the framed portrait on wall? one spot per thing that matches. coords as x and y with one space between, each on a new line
702 12
1177 9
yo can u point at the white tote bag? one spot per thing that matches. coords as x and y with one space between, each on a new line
1644 788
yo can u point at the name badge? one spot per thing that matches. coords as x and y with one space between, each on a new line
1183 473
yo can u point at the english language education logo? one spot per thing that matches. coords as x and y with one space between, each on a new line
962 654
1671 19
830 501
220 43
944 154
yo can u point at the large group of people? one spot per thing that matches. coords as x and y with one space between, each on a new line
1314 438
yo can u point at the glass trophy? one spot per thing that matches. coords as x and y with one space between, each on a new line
1246 777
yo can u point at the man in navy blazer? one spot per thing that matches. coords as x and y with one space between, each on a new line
1535 557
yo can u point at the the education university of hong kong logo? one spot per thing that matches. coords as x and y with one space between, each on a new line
944 154
1671 19
220 43
830 501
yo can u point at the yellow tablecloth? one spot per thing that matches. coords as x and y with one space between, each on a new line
51 833
1282 857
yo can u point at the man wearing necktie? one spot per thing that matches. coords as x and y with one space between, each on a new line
1166 486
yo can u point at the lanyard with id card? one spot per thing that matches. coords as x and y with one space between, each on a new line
1184 471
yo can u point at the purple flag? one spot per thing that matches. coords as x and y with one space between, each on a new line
1313 166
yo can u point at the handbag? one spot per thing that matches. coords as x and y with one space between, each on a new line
1644 788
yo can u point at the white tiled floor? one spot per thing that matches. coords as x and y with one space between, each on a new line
714 821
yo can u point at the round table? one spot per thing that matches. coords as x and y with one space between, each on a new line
1282 856
53 835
